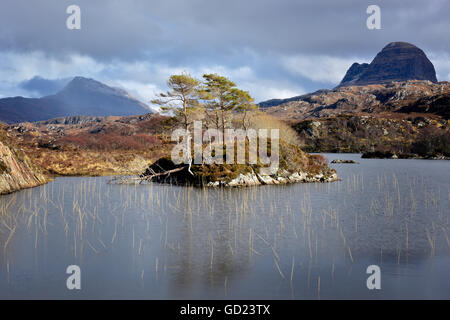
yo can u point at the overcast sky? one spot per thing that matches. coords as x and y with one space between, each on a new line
273 48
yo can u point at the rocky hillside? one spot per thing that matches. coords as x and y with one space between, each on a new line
17 171
398 61
424 97
93 146
410 137
409 119
394 105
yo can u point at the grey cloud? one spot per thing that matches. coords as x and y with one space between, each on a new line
43 87
179 29
197 34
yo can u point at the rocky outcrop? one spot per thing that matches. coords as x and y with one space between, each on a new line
17 171
412 136
398 61
393 104
282 177
165 171
412 96
76 120
355 71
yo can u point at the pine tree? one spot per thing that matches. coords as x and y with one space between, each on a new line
182 100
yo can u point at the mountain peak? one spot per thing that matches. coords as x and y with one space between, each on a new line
400 44
78 80
82 83
80 97
397 61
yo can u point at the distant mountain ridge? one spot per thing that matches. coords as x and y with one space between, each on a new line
277 102
41 87
80 97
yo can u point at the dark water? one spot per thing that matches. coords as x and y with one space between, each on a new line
303 241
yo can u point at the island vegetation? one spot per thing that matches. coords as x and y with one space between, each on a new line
219 104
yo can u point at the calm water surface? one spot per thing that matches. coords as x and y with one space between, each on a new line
303 241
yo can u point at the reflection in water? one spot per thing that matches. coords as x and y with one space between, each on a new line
297 241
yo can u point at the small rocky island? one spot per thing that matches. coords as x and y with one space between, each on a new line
296 166
217 104
338 161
